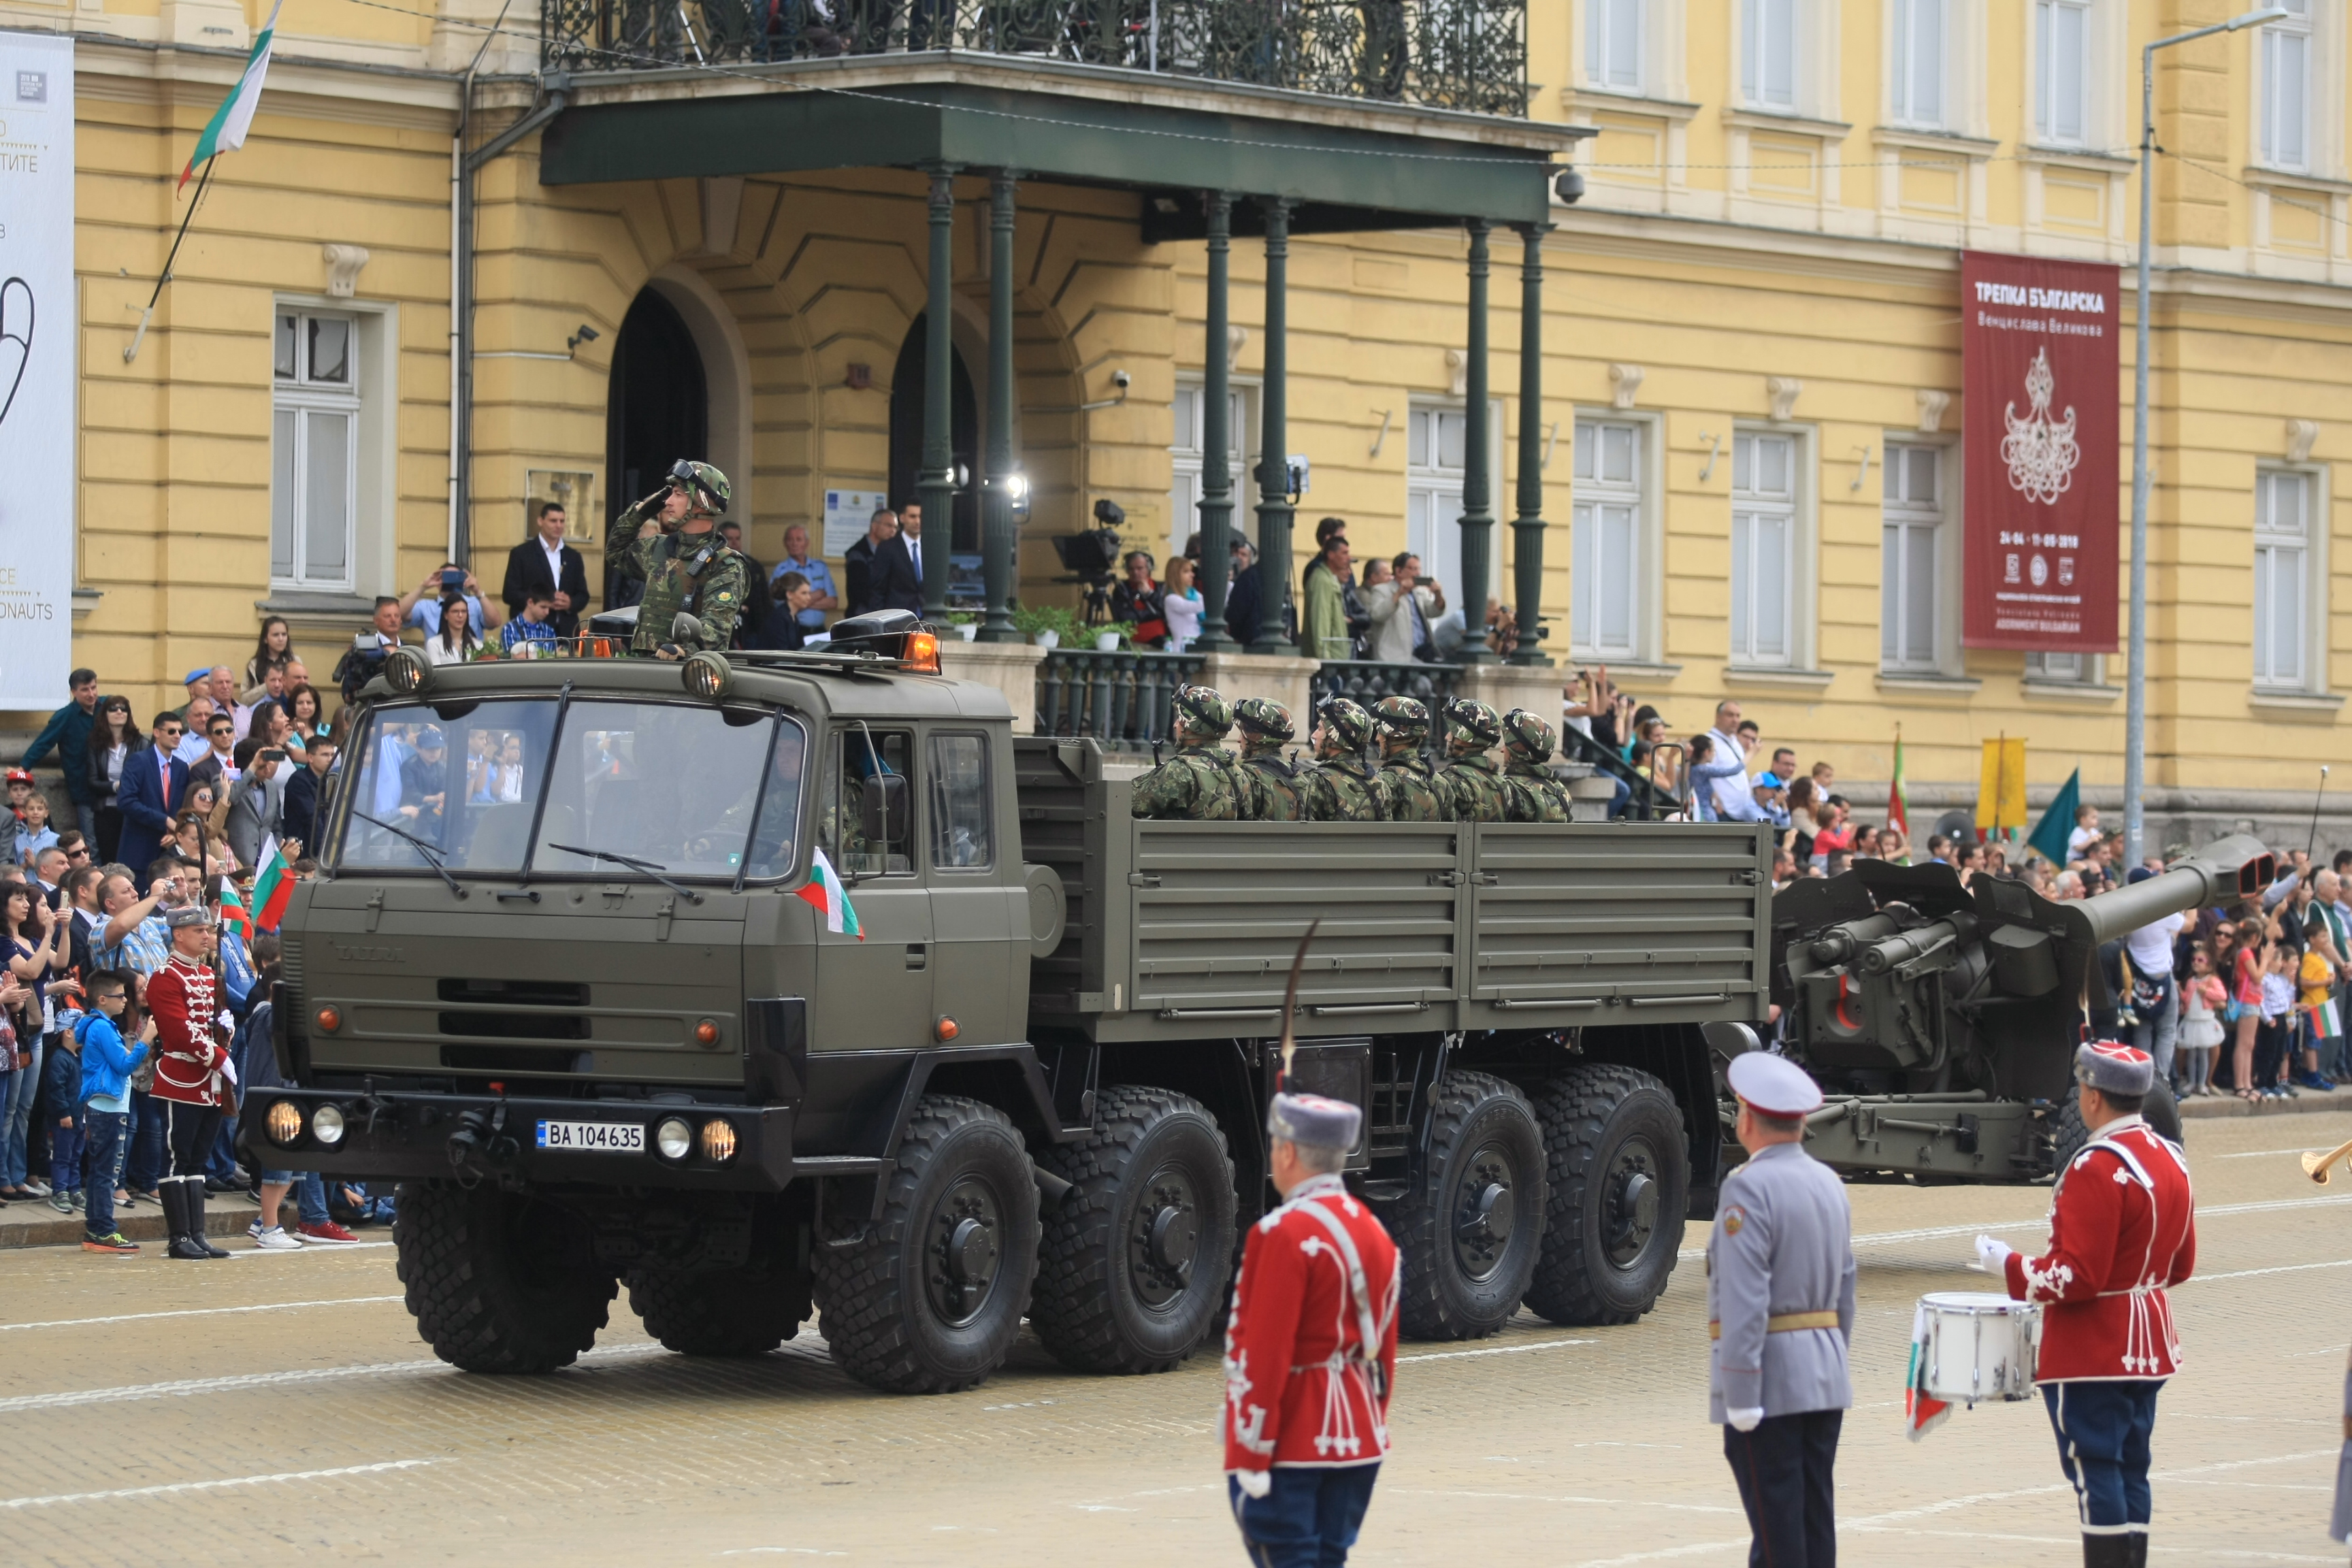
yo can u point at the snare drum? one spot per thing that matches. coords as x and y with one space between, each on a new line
1978 1347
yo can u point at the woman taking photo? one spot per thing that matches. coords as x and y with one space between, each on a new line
456 641
274 651
1138 601
113 740
36 948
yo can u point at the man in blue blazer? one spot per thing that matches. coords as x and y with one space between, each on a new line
154 786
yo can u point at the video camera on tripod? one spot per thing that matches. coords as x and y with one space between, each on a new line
1091 557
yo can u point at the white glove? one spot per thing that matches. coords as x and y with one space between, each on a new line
1253 1483
1993 1256
1744 1420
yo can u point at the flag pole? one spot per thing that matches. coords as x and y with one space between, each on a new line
148 314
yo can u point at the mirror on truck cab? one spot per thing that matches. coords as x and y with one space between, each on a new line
882 809
869 821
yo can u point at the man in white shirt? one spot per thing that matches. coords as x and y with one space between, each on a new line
817 573
2149 950
1733 800
197 716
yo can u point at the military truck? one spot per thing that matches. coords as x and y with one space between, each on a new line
572 978
768 984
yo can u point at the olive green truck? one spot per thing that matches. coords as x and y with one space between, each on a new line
575 978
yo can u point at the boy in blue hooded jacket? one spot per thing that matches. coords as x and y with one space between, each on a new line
107 1064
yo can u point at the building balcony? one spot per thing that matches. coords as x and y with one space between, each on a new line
1466 56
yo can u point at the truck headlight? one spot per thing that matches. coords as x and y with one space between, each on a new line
718 1142
673 1139
405 671
285 1122
326 1125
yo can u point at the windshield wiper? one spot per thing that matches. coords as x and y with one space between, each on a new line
432 855
649 868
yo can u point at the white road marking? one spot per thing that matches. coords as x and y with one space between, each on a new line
125 1492
198 1312
2281 1268
1994 1227
1497 1350
261 1379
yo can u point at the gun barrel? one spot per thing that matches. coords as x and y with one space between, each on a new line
2222 872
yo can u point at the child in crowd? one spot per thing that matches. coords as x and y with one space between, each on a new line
33 832
107 1064
2201 1001
2245 1010
2273 1039
20 791
2085 834
533 625
61 1093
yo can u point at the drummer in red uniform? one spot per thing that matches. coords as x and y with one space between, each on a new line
191 1075
1310 1349
2122 1226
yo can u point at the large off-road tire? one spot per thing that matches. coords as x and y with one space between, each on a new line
1619 1175
1138 1252
498 1282
931 1299
1467 1227
741 1312
2160 1109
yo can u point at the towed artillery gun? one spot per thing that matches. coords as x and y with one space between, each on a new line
1941 1021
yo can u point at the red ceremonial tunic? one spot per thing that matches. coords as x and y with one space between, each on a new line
187 1062
1310 1349
2122 1226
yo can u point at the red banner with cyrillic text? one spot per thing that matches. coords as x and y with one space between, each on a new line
2038 366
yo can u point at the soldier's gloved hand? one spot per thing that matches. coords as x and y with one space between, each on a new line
669 650
1253 1483
1744 1420
1993 1255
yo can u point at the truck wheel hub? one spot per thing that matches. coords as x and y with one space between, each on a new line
1631 1218
963 1252
1484 1213
1165 1239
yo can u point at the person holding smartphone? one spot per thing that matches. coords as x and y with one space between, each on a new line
421 606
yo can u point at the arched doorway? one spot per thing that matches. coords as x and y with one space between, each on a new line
656 411
906 434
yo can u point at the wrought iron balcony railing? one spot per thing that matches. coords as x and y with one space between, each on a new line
1443 54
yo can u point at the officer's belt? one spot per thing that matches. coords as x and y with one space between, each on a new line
1785 1323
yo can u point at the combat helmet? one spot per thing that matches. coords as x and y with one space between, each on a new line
705 485
1349 723
1263 721
1203 710
1402 719
1526 737
1470 727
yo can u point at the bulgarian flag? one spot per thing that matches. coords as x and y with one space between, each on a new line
273 889
1899 806
825 892
234 915
225 131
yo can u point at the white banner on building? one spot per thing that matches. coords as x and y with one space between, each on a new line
37 368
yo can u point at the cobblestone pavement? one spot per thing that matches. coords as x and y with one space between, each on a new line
279 1408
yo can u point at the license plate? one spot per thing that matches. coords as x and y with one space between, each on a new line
593 1137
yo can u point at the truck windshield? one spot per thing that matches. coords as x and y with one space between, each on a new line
690 790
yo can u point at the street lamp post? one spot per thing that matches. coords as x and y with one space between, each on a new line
2135 678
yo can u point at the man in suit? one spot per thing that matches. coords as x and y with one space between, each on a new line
300 809
544 560
858 560
254 804
154 783
898 564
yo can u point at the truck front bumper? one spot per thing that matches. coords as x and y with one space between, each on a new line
395 1136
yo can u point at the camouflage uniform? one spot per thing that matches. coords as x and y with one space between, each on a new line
1202 782
1275 780
695 572
1472 780
1339 788
1406 785
1530 793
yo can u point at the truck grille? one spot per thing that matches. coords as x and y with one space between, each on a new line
516 993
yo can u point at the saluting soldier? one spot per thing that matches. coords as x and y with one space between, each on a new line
1780 1299
1406 785
1202 782
2123 1228
1339 789
1310 1347
1471 780
1530 792
1265 729
688 567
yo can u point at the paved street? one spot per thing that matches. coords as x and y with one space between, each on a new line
280 1407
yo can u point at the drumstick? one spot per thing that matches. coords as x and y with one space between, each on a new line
1290 1004
2319 1167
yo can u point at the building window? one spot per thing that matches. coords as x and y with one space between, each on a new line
1912 536
2282 579
1918 63
1613 45
1763 547
1605 603
314 450
1768 53
1191 437
2062 668
2285 109
2062 80
1436 445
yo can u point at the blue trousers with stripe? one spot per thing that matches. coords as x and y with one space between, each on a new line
2103 1446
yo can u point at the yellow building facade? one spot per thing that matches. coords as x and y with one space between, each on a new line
1751 349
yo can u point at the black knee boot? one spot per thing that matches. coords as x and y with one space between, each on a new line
2138 1540
2108 1550
193 1194
175 1196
